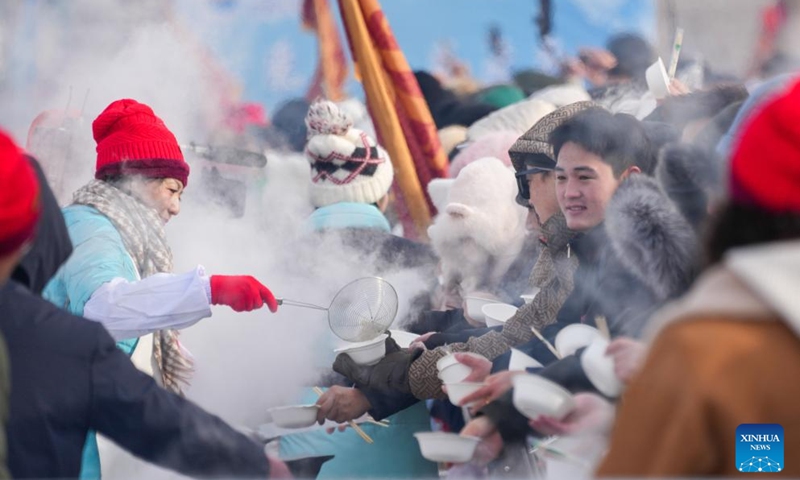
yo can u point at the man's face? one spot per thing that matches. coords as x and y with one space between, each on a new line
584 186
543 203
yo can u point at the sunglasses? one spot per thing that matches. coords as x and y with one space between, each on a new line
523 190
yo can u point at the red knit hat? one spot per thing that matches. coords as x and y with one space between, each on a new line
131 140
765 166
19 197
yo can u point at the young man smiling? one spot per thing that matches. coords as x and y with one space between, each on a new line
602 194
595 152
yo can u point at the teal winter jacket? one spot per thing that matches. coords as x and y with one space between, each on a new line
98 257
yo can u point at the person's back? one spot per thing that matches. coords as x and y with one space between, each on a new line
69 376
50 418
746 375
723 357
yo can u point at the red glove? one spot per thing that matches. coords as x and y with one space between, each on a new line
242 293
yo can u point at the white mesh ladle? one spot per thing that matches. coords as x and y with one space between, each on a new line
360 311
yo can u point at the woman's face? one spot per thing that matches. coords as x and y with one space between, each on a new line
163 195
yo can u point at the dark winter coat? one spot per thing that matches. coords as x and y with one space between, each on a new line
68 377
642 255
446 107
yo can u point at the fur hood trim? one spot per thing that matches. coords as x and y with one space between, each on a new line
651 238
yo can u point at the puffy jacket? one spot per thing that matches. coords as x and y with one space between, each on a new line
99 256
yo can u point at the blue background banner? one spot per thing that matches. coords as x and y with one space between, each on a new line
262 43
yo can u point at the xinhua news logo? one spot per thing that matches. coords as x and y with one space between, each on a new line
759 447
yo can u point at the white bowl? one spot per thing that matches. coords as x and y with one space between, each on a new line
294 416
403 339
457 391
575 336
446 361
519 361
366 353
528 297
497 314
657 79
474 306
454 373
446 447
599 368
534 396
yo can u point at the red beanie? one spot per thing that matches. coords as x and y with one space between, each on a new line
19 197
765 166
131 140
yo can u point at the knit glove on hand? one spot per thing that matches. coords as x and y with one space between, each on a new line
389 375
242 293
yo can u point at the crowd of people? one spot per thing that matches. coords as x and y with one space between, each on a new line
670 223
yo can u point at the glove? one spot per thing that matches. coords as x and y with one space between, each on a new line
242 293
389 375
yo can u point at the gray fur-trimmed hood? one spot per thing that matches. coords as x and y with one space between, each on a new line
653 241
690 176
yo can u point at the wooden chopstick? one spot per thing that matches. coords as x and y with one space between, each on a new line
602 325
376 422
546 343
361 433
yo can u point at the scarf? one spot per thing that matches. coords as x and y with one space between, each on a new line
553 274
143 235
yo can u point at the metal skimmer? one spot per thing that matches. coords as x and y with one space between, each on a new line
360 311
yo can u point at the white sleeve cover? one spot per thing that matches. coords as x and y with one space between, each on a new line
161 301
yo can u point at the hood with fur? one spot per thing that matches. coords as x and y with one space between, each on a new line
772 272
690 176
51 246
651 238
481 226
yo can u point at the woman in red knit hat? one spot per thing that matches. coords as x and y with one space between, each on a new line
120 273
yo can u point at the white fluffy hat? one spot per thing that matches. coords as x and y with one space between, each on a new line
480 230
480 206
347 165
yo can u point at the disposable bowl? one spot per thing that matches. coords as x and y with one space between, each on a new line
520 361
403 339
528 297
294 416
475 304
599 368
366 353
575 336
497 314
446 447
457 391
534 396
454 373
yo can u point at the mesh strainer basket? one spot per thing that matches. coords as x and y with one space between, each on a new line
361 310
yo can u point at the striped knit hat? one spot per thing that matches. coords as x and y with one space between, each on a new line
347 165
